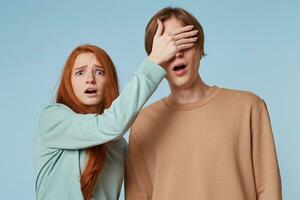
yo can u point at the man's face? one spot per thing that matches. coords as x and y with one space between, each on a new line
182 70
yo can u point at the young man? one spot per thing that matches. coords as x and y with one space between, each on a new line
200 142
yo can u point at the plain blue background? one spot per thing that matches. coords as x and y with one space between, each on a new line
251 46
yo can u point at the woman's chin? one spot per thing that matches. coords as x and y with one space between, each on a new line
91 102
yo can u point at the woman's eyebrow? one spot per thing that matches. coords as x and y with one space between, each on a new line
81 67
99 66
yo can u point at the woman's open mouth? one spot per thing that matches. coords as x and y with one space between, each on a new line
91 92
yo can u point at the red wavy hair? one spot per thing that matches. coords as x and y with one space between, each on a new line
65 95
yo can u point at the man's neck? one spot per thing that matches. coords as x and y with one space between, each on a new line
190 94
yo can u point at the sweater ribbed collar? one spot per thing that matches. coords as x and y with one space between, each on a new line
170 103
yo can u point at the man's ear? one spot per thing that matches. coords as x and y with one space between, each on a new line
200 53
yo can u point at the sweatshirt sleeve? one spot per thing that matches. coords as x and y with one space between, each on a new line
138 185
60 127
265 163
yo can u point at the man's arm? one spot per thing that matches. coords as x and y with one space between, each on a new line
265 163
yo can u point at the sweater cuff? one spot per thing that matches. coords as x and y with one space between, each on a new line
152 70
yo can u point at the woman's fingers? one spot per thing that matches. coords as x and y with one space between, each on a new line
184 46
165 46
185 35
183 29
186 40
159 28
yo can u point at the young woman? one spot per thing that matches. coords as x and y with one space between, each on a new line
80 152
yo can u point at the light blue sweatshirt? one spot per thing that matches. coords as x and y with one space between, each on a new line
63 136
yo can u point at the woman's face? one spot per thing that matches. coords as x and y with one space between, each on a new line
182 70
88 79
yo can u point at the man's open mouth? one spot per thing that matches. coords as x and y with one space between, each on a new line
179 67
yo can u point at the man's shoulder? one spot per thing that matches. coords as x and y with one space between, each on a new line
153 107
241 94
244 97
148 115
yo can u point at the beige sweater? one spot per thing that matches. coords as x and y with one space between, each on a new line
219 148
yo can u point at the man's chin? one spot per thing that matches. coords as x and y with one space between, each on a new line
179 82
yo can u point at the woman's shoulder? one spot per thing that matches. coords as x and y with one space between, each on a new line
53 113
56 109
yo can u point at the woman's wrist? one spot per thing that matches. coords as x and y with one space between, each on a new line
154 59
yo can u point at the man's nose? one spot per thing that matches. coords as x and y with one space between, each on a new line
179 54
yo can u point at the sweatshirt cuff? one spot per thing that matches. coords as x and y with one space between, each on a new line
152 70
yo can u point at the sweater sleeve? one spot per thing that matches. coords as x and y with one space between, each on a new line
138 185
60 127
265 163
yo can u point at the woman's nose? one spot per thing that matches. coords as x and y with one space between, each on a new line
90 78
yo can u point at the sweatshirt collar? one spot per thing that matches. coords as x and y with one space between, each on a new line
170 103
